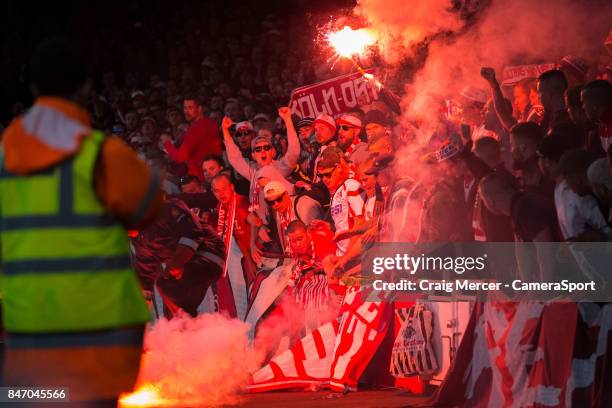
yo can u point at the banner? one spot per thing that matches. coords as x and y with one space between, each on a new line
333 96
515 74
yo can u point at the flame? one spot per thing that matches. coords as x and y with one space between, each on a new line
348 42
145 396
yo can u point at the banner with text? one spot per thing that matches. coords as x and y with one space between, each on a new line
515 74
333 96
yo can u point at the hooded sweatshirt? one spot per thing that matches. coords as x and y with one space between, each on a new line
52 131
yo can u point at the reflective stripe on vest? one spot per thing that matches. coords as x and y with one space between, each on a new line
65 261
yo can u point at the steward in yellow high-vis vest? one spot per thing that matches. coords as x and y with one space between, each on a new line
72 306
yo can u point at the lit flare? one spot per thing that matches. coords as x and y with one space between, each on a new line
348 42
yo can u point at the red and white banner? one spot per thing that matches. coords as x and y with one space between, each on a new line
333 356
515 74
334 96
531 354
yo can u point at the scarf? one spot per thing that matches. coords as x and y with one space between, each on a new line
225 226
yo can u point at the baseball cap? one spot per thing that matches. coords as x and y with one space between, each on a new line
326 120
307 121
381 162
349 120
260 139
330 158
244 126
375 116
274 189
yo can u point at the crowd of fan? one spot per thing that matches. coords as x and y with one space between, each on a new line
301 199
261 195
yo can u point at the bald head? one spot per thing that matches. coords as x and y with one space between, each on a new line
222 188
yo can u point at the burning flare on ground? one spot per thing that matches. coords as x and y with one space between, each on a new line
145 396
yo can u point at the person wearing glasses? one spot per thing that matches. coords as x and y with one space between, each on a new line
263 154
347 206
349 129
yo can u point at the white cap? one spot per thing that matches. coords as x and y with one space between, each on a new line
274 189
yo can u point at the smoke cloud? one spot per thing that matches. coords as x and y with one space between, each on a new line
204 361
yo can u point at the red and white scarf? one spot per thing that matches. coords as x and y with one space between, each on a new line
225 226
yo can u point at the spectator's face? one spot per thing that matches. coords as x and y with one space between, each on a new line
249 111
347 135
192 110
521 99
305 132
333 179
299 242
223 190
589 106
244 138
281 203
225 90
210 168
131 121
174 118
216 103
323 133
138 102
232 110
383 145
522 151
192 187
263 153
368 182
545 93
374 130
148 129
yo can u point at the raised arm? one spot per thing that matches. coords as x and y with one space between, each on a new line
499 102
292 156
234 155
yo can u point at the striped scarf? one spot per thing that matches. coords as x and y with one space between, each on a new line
310 288
225 226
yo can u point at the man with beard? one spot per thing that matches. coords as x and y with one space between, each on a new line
524 140
551 88
349 129
199 141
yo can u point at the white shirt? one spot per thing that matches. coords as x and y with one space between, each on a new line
576 212
347 203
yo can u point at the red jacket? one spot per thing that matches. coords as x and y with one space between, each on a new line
201 140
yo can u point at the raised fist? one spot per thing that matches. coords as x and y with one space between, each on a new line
284 113
226 123
488 74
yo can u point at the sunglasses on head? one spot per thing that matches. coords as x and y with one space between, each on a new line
265 148
275 200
